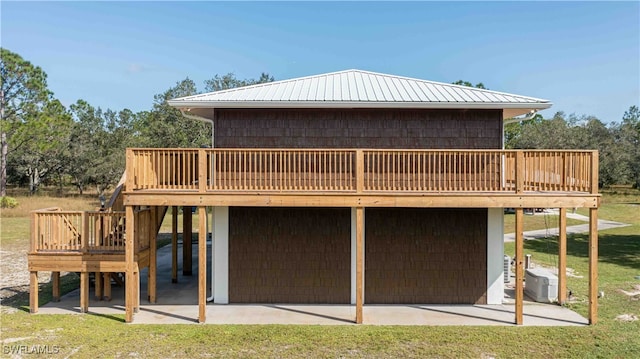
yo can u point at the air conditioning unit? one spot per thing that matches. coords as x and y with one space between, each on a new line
541 285
507 269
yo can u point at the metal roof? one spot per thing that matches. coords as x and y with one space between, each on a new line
360 89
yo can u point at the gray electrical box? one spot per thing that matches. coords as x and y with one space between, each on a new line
541 285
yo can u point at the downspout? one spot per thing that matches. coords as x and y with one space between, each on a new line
203 119
526 117
212 120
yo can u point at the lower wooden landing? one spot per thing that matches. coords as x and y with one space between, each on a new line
83 262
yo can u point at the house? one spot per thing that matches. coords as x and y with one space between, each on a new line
347 187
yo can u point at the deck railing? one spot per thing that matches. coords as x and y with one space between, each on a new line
54 230
361 170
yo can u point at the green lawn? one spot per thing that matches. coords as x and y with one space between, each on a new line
539 221
92 336
14 230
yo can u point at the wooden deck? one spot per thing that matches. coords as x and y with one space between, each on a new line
123 237
362 177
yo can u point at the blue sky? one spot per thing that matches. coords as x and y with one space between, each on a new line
583 56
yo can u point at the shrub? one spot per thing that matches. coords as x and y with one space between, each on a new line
8 202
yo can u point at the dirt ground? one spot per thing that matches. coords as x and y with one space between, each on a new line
14 276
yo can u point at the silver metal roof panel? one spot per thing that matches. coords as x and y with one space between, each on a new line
360 89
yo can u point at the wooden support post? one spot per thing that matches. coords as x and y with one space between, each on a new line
107 286
519 265
520 172
98 285
359 263
594 172
84 292
33 292
34 232
55 286
359 171
202 170
593 265
129 173
174 244
187 245
202 264
136 297
562 256
85 232
129 256
153 257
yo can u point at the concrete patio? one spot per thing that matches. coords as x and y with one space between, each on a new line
177 303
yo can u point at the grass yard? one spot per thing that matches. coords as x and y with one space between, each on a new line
539 221
94 336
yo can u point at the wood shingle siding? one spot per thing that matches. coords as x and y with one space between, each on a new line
358 128
289 255
425 256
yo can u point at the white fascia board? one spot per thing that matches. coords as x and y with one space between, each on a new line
343 104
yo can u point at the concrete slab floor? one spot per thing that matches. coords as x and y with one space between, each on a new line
177 303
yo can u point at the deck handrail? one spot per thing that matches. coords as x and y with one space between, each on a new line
360 171
77 231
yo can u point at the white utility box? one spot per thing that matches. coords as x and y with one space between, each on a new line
541 285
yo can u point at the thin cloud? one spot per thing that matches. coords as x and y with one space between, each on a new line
135 68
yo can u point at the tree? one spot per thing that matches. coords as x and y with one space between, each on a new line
98 142
228 81
86 134
513 131
164 126
479 85
44 141
23 93
629 136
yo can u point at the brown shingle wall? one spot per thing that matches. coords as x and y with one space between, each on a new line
358 128
289 255
425 255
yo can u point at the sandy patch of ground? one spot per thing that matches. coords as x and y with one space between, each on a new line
627 318
634 294
14 274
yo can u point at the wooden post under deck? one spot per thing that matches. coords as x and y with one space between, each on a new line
84 292
153 257
359 263
519 265
136 294
174 244
107 286
562 256
593 245
55 286
593 265
129 255
202 264
33 292
187 245
98 285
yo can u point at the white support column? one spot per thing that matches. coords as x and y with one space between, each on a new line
353 254
220 258
495 255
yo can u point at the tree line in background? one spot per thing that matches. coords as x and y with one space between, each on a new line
46 142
